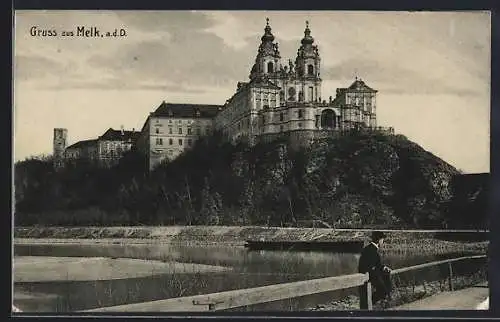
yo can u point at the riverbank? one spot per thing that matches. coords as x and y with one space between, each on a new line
397 240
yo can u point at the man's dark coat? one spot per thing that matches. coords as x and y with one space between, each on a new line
370 262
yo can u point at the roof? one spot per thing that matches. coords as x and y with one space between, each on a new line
360 86
82 144
186 110
118 135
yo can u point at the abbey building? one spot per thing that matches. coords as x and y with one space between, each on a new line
280 99
286 98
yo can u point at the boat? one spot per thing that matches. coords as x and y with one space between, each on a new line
349 246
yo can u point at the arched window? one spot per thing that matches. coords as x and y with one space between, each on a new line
291 94
310 70
270 67
328 119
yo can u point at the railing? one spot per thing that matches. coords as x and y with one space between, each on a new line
276 292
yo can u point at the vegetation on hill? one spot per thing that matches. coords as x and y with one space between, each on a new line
356 180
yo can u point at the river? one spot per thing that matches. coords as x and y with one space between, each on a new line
247 269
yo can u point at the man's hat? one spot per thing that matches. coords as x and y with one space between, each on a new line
377 235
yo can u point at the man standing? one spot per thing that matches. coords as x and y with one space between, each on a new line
371 263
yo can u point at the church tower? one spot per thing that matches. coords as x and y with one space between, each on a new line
267 63
307 68
59 142
59 145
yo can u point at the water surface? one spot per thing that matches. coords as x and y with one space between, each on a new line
248 269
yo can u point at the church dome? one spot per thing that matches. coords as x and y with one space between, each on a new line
268 35
308 39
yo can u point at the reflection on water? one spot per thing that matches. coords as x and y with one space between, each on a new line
250 269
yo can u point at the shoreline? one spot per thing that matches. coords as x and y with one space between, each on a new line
235 233
440 241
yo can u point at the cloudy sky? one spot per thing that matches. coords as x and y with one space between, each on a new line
432 70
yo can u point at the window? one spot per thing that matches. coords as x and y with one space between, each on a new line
198 131
270 67
169 130
189 131
310 70
207 130
157 130
190 142
300 114
281 128
180 141
310 94
300 124
180 130
281 117
291 94
169 121
159 141
179 121
170 141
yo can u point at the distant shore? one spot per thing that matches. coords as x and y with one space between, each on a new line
404 240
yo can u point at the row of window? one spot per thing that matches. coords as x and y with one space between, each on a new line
159 141
189 130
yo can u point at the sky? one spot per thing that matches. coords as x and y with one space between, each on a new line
432 70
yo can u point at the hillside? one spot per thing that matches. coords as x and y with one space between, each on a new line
357 180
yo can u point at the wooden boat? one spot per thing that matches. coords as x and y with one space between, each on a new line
351 246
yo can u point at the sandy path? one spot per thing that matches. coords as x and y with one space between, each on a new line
466 299
50 269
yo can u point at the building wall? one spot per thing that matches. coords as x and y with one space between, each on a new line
88 152
361 107
109 152
170 136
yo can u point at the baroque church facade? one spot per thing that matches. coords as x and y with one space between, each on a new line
286 99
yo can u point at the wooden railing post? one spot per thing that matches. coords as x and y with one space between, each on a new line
369 296
450 276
